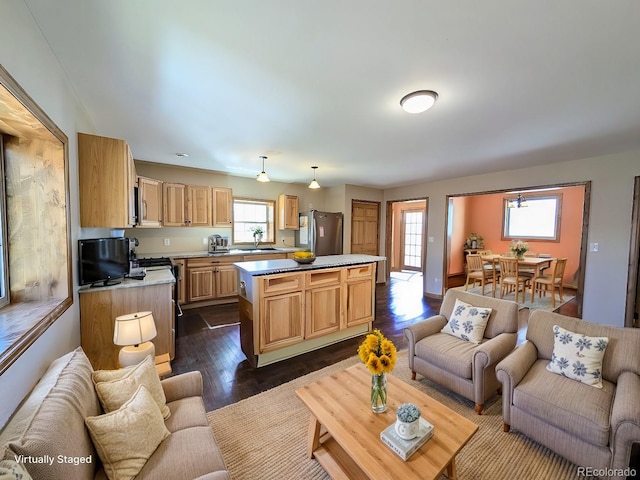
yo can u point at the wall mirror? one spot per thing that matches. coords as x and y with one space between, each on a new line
35 277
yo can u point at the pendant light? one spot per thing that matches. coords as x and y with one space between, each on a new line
314 183
263 177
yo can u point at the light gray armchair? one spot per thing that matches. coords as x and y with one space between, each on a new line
591 427
466 368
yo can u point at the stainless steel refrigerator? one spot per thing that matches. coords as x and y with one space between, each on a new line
320 232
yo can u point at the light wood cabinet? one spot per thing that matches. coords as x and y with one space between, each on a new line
323 297
100 307
187 205
174 200
198 206
149 202
226 281
106 181
201 284
211 278
360 294
281 321
222 206
288 210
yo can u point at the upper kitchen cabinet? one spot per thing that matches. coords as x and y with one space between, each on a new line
186 205
149 202
198 206
287 212
222 200
107 178
174 200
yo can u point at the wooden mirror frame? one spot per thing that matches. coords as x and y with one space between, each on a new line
23 321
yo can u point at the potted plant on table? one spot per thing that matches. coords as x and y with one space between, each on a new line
519 248
257 235
408 421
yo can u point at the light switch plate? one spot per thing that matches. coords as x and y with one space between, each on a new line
593 247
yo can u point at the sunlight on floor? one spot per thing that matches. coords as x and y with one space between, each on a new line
407 294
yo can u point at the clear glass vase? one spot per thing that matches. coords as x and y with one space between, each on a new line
379 393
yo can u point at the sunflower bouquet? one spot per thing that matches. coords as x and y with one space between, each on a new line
378 353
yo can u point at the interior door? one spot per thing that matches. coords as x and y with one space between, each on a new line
364 227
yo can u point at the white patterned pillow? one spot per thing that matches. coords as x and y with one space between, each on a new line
467 322
577 356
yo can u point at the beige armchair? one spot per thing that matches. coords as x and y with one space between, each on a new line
465 368
591 427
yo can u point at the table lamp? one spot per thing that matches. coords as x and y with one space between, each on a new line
134 332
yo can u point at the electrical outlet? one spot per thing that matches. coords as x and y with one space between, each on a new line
205 241
283 240
431 239
167 242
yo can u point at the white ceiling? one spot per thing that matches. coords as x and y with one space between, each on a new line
319 82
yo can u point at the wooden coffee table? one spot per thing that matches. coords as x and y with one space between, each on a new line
344 434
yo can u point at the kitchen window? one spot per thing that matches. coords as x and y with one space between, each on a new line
534 218
249 214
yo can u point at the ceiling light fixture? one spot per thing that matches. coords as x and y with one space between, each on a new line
314 183
182 155
263 177
418 102
519 202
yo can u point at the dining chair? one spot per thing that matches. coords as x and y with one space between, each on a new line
510 277
544 283
476 271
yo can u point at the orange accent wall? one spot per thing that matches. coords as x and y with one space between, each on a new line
458 234
483 215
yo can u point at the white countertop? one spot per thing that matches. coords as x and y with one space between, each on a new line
154 276
267 267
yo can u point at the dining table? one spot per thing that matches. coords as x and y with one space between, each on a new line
538 263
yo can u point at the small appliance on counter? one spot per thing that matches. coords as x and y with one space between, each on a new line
218 243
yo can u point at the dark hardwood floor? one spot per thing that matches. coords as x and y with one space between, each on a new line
208 340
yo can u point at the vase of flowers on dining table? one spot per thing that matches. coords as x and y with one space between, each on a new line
519 248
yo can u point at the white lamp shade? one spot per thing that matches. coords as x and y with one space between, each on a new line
418 102
134 329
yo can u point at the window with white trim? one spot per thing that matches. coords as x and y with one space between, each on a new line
535 218
249 214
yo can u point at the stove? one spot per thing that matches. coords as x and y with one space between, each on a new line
163 262
154 262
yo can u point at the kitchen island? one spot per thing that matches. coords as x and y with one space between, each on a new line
287 308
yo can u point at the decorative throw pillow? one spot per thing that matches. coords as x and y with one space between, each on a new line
577 356
467 322
127 437
114 393
12 470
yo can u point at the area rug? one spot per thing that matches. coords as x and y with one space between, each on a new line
265 436
543 303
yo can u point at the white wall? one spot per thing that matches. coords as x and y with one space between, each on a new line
28 58
612 180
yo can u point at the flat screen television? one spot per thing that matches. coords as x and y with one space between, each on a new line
102 260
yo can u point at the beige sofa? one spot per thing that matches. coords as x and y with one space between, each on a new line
49 430
464 367
592 427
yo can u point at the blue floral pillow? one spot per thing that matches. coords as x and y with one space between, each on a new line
467 322
577 356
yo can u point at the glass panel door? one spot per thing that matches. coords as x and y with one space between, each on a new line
412 221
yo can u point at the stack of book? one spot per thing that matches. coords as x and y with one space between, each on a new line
406 448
